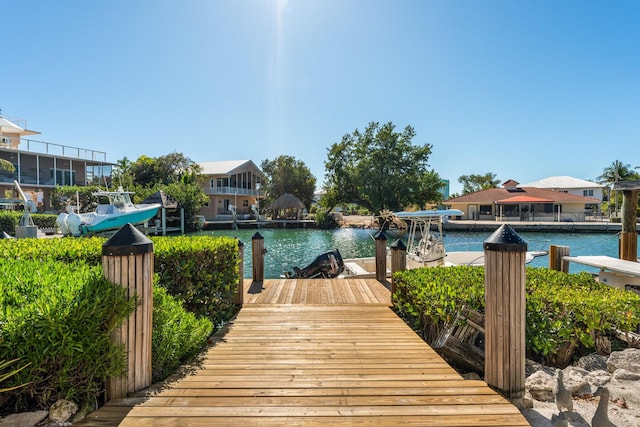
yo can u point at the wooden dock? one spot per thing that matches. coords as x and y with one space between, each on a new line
316 353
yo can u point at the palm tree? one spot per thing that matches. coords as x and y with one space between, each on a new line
613 173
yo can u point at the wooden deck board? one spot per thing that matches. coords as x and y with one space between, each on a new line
318 353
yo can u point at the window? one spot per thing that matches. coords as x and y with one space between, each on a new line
485 209
245 203
587 193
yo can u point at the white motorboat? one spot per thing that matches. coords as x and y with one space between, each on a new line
108 216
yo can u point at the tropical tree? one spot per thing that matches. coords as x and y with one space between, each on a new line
616 171
286 174
472 183
380 169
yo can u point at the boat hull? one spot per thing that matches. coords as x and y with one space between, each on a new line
115 221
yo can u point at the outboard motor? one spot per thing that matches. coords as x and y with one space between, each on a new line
327 265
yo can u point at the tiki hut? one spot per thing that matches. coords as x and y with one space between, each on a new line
287 206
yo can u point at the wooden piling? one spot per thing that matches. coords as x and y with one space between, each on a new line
398 261
239 299
505 309
127 261
556 262
257 257
381 256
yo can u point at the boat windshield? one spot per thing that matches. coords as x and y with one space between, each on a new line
120 200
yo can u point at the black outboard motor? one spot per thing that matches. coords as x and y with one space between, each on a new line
327 265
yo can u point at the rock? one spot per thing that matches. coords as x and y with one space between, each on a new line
62 410
532 367
628 359
598 378
23 419
575 380
624 375
540 385
592 362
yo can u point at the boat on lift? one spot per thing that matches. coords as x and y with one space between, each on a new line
119 211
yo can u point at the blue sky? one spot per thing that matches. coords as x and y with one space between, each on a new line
523 89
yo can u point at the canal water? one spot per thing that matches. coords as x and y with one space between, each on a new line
287 248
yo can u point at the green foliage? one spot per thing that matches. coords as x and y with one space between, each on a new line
325 221
5 364
285 174
61 197
380 169
57 318
472 183
9 220
60 306
177 336
202 271
562 309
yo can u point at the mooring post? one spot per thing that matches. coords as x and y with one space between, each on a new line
257 257
505 310
556 262
398 261
127 261
629 235
381 256
240 291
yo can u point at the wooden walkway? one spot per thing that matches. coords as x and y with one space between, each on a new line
316 353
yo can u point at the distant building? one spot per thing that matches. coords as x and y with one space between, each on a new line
513 202
567 184
445 189
41 166
232 186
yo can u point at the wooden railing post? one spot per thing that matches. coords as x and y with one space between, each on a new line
240 291
398 261
555 258
257 257
127 261
505 310
628 242
381 256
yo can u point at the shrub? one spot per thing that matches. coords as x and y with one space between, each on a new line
325 220
10 220
177 334
565 312
56 319
202 271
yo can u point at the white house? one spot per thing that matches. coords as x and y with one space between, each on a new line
567 184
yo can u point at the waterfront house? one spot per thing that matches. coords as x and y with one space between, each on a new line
41 166
568 184
513 202
232 186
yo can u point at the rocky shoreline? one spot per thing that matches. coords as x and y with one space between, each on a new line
619 373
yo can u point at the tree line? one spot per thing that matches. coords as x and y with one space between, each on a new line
379 168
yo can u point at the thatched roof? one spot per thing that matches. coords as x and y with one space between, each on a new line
287 201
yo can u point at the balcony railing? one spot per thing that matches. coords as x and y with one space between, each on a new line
39 147
234 190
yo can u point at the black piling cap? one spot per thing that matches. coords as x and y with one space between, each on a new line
127 241
399 245
257 236
4 235
505 239
380 236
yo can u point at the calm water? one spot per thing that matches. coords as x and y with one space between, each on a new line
298 247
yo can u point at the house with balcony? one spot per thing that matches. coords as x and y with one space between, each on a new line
41 166
233 188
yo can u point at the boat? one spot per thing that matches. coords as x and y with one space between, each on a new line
425 244
107 216
476 258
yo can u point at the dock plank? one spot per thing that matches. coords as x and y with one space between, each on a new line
316 353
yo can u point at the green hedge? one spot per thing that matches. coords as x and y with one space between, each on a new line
202 271
57 318
9 220
564 311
